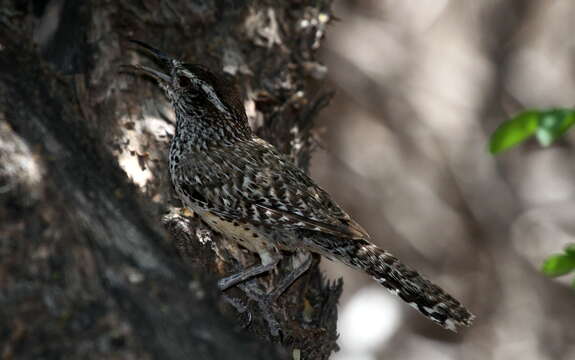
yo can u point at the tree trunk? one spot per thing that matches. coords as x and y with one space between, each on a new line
97 259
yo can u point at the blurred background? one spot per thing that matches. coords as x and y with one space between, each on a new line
421 84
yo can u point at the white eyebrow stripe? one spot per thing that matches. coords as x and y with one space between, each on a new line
209 90
214 99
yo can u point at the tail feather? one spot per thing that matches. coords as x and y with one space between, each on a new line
428 298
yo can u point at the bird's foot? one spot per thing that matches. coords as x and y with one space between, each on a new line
241 308
264 303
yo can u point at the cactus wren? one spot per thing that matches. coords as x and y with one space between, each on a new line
242 187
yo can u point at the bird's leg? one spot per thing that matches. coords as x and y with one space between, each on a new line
253 291
250 287
234 279
240 307
301 261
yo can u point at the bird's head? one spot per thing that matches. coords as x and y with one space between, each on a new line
196 92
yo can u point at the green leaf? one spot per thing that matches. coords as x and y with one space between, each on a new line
557 265
514 131
553 124
570 250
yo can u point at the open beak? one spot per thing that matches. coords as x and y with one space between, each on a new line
156 74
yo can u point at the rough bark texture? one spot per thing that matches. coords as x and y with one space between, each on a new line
87 269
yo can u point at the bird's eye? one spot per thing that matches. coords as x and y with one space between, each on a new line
184 81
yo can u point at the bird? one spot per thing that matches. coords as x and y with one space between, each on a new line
242 187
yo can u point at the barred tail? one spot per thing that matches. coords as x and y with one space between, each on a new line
428 298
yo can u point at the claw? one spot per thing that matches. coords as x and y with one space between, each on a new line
240 307
265 304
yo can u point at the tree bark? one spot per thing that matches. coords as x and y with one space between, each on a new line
93 265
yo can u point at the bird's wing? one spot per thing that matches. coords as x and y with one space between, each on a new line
259 185
346 227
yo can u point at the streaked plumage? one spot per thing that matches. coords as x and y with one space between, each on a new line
244 188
